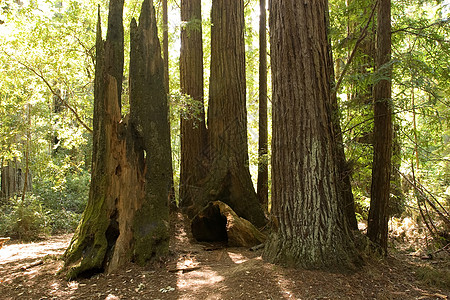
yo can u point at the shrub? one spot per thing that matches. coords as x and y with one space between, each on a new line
25 220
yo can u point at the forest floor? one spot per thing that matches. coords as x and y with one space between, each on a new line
202 271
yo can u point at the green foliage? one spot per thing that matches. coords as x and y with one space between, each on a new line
25 220
420 50
53 207
47 64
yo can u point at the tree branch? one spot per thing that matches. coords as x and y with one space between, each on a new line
66 104
420 188
406 29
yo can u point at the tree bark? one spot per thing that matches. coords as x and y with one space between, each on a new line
126 217
114 46
229 179
193 127
165 44
308 225
149 113
263 170
377 230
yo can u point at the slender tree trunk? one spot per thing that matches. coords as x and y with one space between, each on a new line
126 217
27 155
172 200
345 185
309 227
378 214
416 140
193 127
263 170
166 44
229 179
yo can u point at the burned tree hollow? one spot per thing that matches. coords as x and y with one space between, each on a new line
210 225
217 222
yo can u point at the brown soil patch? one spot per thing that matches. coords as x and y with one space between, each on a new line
201 271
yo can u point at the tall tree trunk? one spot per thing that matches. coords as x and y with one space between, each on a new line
229 179
172 200
309 228
193 127
165 44
126 217
149 117
378 214
114 46
263 170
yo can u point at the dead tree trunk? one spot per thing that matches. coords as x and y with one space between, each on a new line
127 213
149 121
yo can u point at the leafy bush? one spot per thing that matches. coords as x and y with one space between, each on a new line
53 207
71 194
63 221
25 220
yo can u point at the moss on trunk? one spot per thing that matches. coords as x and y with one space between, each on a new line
127 213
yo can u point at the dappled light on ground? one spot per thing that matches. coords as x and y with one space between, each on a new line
16 252
237 258
198 279
211 271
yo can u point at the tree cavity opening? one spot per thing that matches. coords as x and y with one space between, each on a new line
210 225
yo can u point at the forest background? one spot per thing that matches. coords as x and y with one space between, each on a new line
46 107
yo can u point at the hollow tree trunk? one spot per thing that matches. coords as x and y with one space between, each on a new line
229 178
309 229
126 217
193 127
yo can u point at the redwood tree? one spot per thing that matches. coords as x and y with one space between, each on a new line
308 224
263 170
126 217
377 230
229 177
193 128
165 43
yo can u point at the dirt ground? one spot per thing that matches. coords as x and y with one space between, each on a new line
202 271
